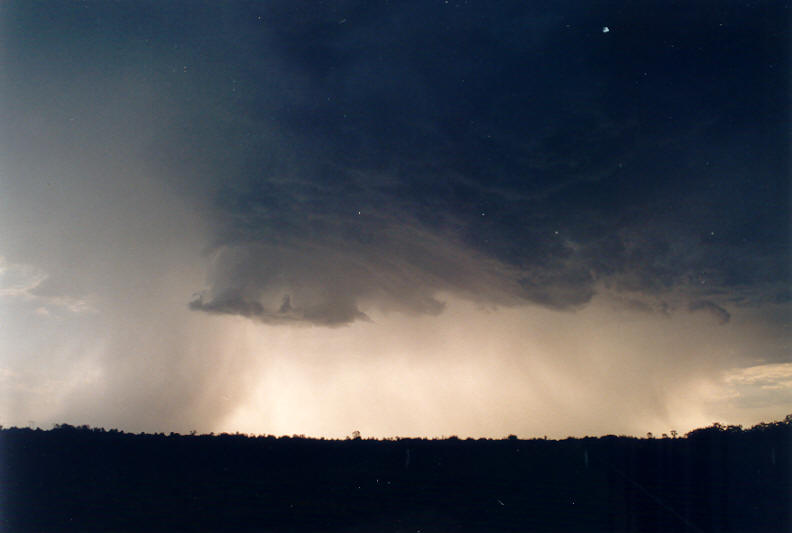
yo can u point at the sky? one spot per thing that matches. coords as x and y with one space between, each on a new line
412 218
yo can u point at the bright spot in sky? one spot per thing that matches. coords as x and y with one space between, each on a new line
605 29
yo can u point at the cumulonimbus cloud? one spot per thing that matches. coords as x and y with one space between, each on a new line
355 181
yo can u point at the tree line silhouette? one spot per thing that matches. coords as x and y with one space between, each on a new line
714 479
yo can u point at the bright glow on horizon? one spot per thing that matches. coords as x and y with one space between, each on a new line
503 372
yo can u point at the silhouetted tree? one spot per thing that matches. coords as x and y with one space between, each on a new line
718 479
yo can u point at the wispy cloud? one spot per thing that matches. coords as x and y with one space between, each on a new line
767 385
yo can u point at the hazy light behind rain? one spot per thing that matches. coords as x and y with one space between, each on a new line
420 218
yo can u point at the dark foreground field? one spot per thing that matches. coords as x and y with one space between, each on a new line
81 479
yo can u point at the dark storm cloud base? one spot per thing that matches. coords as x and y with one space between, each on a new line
349 153
555 158
718 479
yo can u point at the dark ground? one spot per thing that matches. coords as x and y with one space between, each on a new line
717 479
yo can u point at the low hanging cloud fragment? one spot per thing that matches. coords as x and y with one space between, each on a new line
328 313
228 303
706 306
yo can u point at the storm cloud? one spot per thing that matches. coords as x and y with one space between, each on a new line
187 192
503 155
